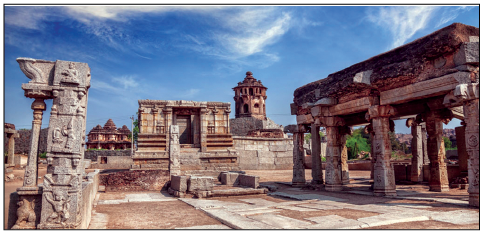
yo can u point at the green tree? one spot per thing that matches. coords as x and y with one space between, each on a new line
395 144
308 137
357 143
447 142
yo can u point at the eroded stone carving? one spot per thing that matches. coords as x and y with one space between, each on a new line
25 214
60 206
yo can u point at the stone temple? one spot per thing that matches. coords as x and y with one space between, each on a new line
109 137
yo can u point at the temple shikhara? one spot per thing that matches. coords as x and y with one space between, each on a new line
109 137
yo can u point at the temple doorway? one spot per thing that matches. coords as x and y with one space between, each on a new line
184 123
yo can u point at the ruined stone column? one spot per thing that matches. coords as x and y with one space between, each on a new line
11 135
298 156
472 135
343 131
438 178
417 150
384 180
317 173
203 129
370 130
174 150
333 166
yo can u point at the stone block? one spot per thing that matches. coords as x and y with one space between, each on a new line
202 183
363 77
304 119
469 53
229 178
249 181
278 148
87 163
266 160
178 183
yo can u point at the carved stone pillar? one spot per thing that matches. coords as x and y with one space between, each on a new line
370 130
174 150
228 124
343 131
333 166
384 180
438 178
461 148
472 135
298 156
31 174
203 129
62 199
317 174
417 150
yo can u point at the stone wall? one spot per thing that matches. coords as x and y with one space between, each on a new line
22 144
264 153
137 180
94 154
241 126
89 190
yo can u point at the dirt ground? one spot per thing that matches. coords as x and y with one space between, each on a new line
177 214
154 215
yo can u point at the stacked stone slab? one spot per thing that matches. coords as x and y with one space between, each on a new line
235 179
432 79
67 83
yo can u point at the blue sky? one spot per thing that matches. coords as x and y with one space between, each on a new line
201 52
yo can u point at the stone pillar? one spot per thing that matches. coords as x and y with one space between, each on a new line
317 174
174 150
333 165
62 199
228 124
472 135
343 131
370 130
384 180
438 177
31 173
461 148
298 156
417 150
11 148
203 129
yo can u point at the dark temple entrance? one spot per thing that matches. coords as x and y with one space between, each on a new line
183 121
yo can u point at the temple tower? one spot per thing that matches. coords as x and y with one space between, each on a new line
250 97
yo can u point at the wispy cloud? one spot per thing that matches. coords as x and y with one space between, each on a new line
191 93
450 13
402 21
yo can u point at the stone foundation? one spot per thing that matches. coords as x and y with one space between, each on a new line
138 180
264 153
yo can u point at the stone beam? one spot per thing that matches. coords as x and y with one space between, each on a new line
429 88
354 106
304 119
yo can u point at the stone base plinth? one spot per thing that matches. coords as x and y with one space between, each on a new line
333 187
439 188
385 193
297 184
29 205
474 200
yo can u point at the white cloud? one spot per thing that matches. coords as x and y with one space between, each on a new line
450 13
402 21
125 81
25 17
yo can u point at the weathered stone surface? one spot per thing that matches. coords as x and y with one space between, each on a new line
196 183
469 53
249 181
229 178
304 119
280 221
178 183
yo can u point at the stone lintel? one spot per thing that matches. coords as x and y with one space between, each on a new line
326 102
469 53
331 121
318 111
380 111
429 88
363 77
292 128
304 119
354 106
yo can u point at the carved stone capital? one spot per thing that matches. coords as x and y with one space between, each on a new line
380 111
462 93
331 121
